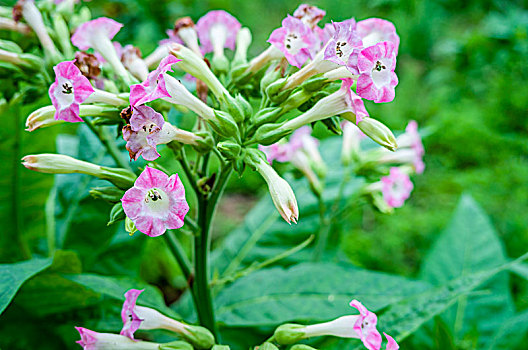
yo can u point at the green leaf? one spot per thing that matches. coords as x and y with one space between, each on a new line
12 276
470 244
307 292
513 327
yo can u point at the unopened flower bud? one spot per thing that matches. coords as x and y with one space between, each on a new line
61 164
185 29
229 149
131 59
220 347
273 89
223 124
116 214
200 337
314 84
243 41
280 191
130 227
378 132
108 341
267 115
108 193
267 346
176 345
271 76
289 333
342 327
21 59
88 64
302 347
220 64
62 34
271 133
244 106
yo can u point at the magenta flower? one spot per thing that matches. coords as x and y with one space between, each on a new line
391 343
310 15
412 139
154 87
280 152
131 320
69 90
91 340
376 65
376 30
344 46
89 33
353 101
216 30
365 326
156 202
396 187
143 133
296 41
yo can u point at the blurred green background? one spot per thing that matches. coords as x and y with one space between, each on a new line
463 73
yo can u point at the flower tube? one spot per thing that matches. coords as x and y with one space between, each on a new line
91 340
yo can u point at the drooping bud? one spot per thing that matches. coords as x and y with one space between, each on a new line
378 132
108 193
88 64
199 336
280 191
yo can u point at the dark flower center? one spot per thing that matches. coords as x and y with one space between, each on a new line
67 88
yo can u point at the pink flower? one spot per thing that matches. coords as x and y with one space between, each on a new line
118 49
87 34
173 38
376 30
91 340
344 46
154 87
376 65
353 101
412 139
69 90
396 187
131 320
365 327
216 30
143 133
391 343
310 15
296 41
280 152
156 202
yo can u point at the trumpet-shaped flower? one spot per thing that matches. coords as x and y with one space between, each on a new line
365 326
185 30
69 90
143 133
310 15
376 30
88 33
131 320
344 46
376 65
411 147
156 202
154 87
396 187
216 30
296 41
91 340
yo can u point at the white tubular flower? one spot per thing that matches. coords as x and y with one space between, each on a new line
131 58
101 96
157 55
351 142
33 18
342 327
185 29
9 24
195 66
91 340
280 191
268 55
181 96
316 66
339 73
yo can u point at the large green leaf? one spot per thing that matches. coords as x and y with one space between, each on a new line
307 292
12 276
470 244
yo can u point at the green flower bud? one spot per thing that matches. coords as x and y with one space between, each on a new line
267 115
176 345
269 78
204 143
314 84
232 106
302 347
378 132
229 149
108 193
122 178
130 227
63 34
220 347
267 346
223 124
220 64
244 106
271 133
200 337
275 87
116 214
288 333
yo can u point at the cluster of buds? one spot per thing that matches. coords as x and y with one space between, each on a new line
137 317
362 326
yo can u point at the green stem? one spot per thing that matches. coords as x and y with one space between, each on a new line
202 242
109 144
324 231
